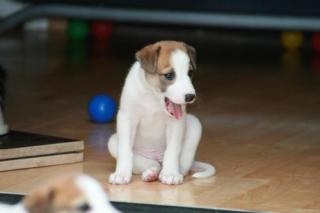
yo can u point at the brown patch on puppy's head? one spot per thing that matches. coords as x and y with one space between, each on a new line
155 60
62 195
148 58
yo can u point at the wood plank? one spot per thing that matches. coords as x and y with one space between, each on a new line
22 144
32 162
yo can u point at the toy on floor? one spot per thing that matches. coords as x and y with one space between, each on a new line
101 30
316 42
102 108
292 40
77 30
80 193
315 66
3 126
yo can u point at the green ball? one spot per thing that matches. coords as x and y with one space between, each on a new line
77 29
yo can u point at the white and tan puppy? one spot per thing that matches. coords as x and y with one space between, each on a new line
156 137
67 194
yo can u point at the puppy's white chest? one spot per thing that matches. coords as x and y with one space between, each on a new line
152 122
151 104
151 136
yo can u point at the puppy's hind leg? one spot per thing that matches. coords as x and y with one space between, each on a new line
190 144
149 169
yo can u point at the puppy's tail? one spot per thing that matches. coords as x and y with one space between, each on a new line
205 169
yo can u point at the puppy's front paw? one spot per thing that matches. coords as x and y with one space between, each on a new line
119 178
171 178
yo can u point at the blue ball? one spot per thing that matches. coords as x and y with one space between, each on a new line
102 108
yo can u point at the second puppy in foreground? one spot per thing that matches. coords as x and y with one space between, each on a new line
156 137
66 194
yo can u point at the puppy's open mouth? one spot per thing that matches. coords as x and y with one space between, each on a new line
175 110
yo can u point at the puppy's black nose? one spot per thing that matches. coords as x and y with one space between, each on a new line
190 97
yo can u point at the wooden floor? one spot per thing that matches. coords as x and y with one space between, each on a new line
261 117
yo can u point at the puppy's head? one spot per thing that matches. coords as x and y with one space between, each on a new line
168 67
69 194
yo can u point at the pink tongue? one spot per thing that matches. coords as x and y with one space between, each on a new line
175 110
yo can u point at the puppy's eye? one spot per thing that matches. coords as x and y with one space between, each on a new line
169 76
190 73
85 207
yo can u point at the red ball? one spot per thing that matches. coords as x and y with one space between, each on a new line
101 30
316 42
316 66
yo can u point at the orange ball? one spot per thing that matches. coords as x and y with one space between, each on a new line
292 40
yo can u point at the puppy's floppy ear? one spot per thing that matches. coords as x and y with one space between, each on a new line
148 57
40 200
191 51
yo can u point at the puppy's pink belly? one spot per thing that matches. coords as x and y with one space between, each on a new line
150 153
